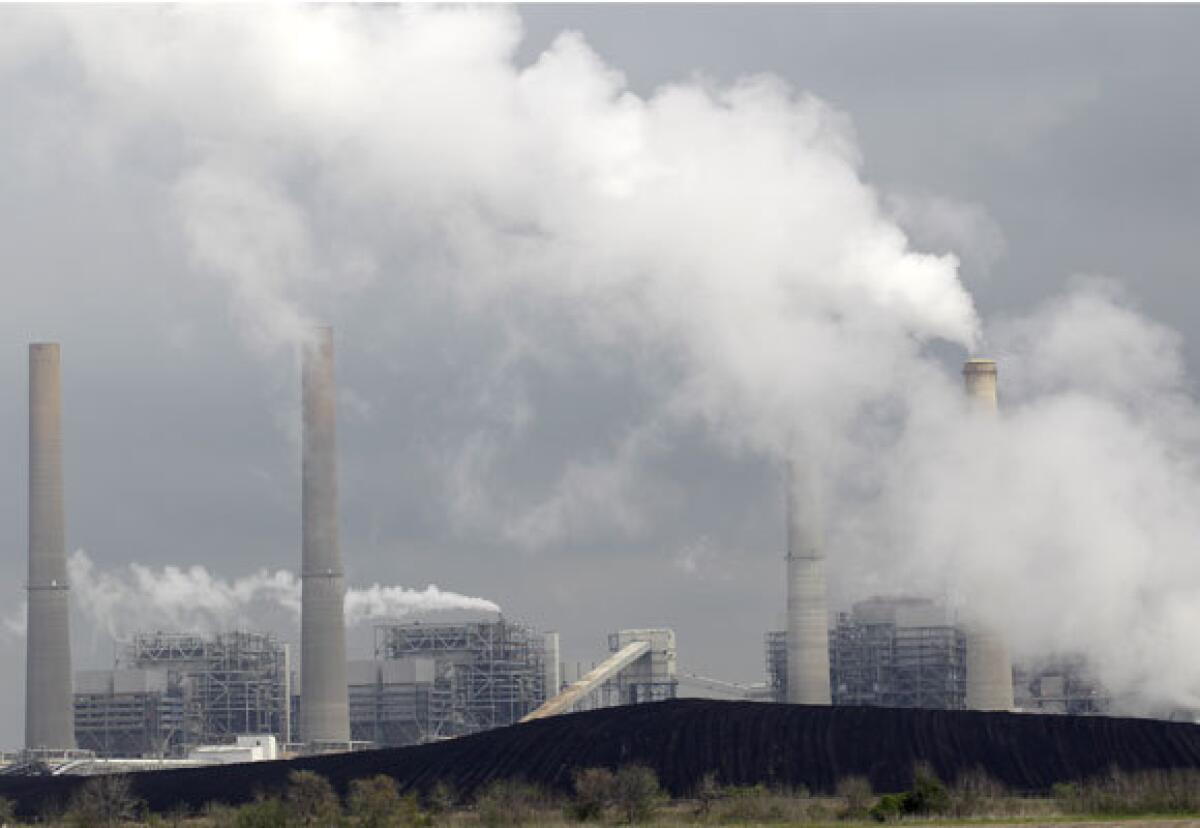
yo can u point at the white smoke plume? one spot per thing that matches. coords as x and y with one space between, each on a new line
723 240
136 597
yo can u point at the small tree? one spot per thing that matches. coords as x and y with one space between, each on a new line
509 802
441 799
262 813
595 789
637 793
707 792
104 801
856 795
8 813
311 800
376 803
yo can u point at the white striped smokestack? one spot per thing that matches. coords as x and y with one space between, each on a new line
324 710
989 666
807 619
49 715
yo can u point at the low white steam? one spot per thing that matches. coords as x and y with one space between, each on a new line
721 239
136 597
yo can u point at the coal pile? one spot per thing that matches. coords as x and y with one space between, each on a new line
743 743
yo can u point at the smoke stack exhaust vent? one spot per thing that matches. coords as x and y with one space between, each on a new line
49 715
807 618
989 665
324 710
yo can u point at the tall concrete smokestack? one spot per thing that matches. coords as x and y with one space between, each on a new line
989 666
49 715
807 620
325 718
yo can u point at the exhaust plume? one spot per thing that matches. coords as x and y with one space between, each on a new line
122 601
717 243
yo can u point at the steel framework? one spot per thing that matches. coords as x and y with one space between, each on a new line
487 673
232 683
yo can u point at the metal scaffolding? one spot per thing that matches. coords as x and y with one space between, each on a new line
888 652
486 673
232 683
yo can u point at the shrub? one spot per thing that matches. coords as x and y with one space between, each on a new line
889 808
636 793
311 801
8 814
376 803
707 792
441 799
509 802
929 795
856 795
1124 794
595 790
103 801
262 813
976 794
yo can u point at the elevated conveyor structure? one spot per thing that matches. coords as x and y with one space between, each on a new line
565 701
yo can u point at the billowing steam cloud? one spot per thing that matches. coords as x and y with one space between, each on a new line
722 240
123 601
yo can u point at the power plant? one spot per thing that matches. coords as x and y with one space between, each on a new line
48 635
324 709
185 697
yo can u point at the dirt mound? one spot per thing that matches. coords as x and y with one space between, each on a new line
743 743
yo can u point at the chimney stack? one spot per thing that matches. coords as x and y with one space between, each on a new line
49 714
989 666
807 618
324 710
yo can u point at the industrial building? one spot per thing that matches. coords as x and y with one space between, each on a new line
887 652
173 691
1062 684
433 681
641 667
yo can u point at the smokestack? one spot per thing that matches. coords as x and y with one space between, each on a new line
989 666
807 620
323 706
49 715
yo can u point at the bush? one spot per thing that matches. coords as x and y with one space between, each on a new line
856 795
636 793
1126 794
889 808
311 801
509 802
103 801
707 792
595 790
263 813
928 797
8 814
376 803
977 794
441 799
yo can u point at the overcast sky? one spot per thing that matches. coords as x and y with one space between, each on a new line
497 440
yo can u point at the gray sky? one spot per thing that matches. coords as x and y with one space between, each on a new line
496 438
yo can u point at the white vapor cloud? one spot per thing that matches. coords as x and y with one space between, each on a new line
122 601
719 242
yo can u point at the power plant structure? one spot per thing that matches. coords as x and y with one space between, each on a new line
989 666
887 652
48 719
807 619
324 711
172 692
